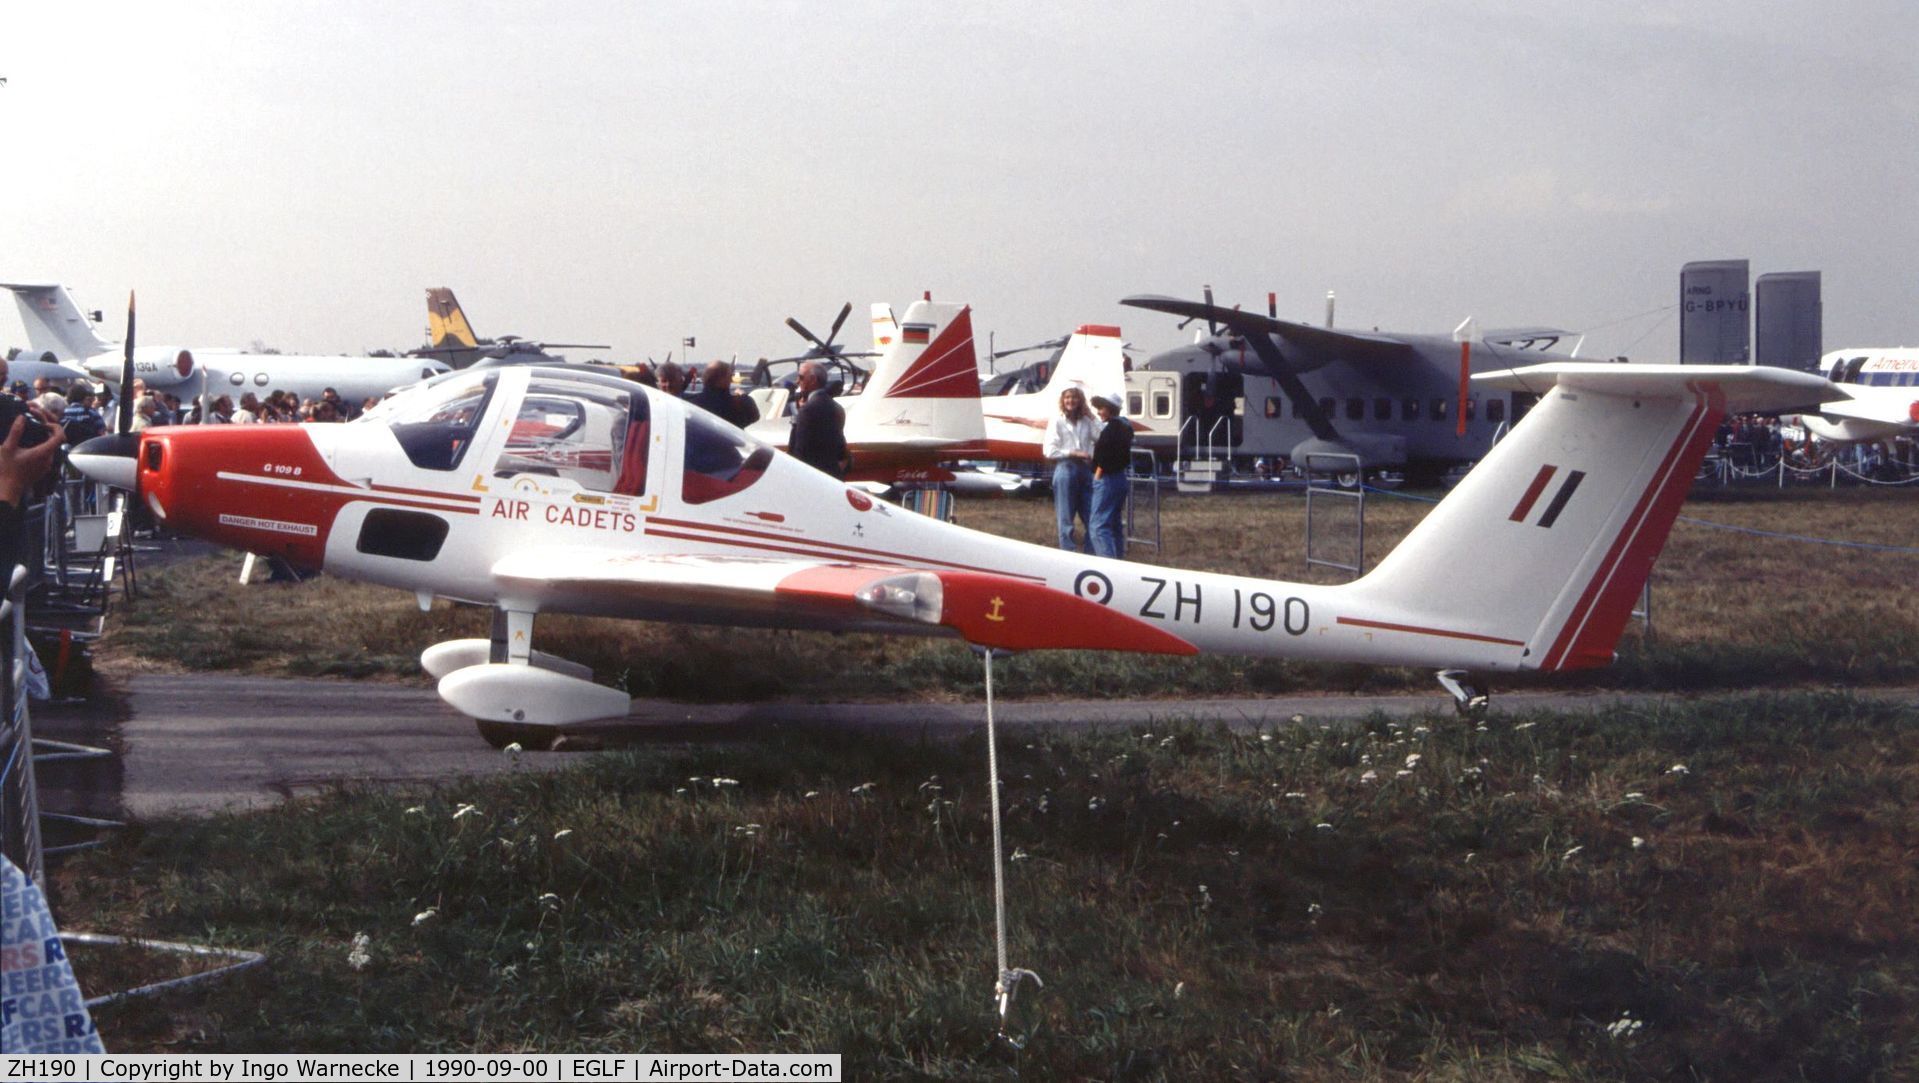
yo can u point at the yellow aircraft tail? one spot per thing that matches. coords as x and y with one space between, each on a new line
446 325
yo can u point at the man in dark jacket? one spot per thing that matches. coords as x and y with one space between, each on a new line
819 426
716 397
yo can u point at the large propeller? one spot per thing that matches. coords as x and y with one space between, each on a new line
112 459
823 349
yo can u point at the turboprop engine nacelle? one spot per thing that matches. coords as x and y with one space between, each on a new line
162 367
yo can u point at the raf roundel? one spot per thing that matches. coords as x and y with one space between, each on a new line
859 500
1094 586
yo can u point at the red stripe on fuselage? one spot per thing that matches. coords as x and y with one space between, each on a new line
825 549
1417 630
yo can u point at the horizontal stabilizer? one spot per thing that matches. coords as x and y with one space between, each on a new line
1747 388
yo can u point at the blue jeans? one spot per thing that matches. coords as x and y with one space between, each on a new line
1109 515
1073 497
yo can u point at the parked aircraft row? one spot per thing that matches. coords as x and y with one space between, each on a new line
1250 385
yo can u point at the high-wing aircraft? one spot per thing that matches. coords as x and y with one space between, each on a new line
450 337
533 490
1254 384
920 406
1881 395
56 326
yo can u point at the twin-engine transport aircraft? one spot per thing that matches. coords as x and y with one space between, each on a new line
56 326
1881 400
536 490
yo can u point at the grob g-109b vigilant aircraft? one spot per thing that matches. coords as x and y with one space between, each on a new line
536 490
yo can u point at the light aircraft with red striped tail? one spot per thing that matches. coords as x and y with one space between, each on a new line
536 490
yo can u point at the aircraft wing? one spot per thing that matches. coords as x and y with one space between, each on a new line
1901 407
1746 388
985 608
1350 345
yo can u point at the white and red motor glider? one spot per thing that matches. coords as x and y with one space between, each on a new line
538 490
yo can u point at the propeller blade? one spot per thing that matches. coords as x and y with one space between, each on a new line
800 329
1211 327
840 322
126 375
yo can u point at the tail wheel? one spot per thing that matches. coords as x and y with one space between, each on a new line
530 738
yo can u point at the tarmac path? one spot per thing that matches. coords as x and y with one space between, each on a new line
199 743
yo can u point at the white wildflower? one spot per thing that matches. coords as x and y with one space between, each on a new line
1412 761
1624 1027
1019 854
562 833
1369 776
1525 726
718 781
864 787
809 795
1095 804
426 915
1678 769
513 749
1635 796
549 900
357 958
1569 853
1179 990
1638 843
1322 826
1402 774
1266 737
416 810
1295 795
466 810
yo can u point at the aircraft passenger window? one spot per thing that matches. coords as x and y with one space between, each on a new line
590 433
720 459
1409 410
1439 409
436 426
1496 410
238 378
1382 409
1472 408
1355 409
259 379
1162 404
1135 404
1273 406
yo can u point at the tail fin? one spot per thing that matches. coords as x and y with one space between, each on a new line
446 325
1541 552
1092 361
55 324
886 329
925 389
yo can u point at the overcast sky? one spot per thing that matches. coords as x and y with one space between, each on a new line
633 172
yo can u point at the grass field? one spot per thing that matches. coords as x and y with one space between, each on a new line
1730 611
1720 890
1712 889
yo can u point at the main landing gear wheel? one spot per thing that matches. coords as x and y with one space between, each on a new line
1468 700
530 738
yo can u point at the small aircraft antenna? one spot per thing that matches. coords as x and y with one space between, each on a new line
1006 986
1329 308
